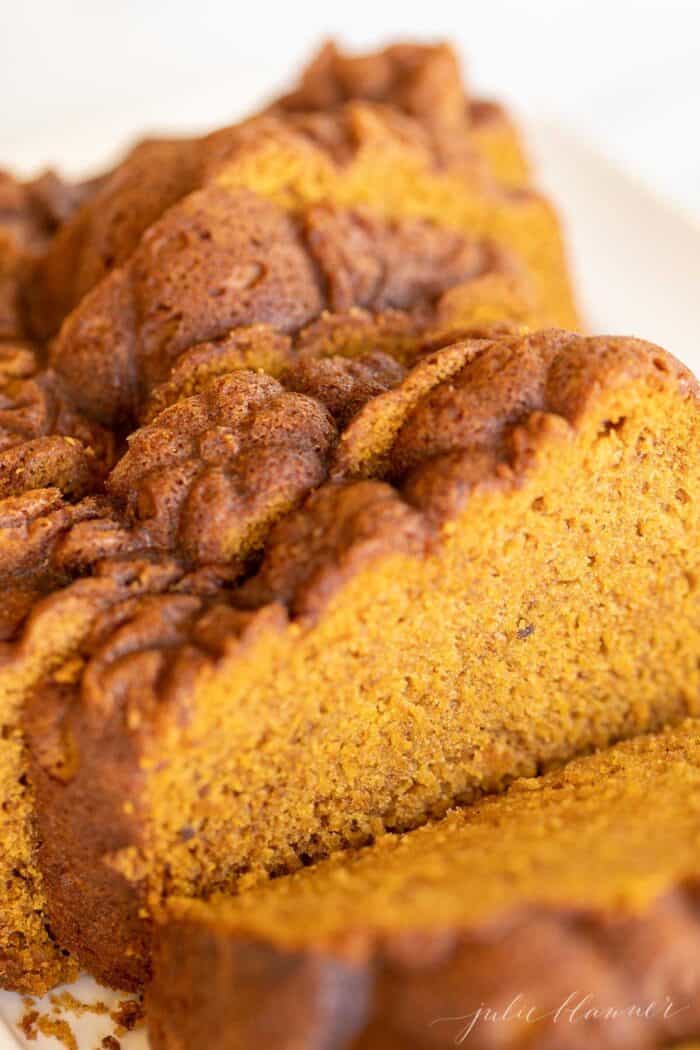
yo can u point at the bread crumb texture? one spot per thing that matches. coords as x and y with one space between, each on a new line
564 913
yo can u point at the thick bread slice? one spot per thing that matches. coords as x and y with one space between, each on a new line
500 571
565 914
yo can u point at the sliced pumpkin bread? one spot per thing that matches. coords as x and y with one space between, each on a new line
500 570
564 914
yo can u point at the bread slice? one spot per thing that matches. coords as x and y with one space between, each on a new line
564 914
500 571
52 529
370 155
30 959
226 256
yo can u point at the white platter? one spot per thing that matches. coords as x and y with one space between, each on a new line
636 263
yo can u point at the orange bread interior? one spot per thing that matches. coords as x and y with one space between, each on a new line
571 898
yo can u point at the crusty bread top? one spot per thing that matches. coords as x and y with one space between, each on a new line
217 475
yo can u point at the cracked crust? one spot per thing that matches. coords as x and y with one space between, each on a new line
225 260
52 460
50 456
212 472
44 441
154 175
422 81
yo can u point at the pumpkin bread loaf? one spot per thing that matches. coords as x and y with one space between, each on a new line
496 567
563 914
401 284
55 524
371 549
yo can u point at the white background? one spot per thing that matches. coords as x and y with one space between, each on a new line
77 78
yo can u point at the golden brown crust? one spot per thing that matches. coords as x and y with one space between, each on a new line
374 264
212 472
51 462
107 228
32 529
218 261
44 441
222 260
422 81
48 451
50 456
344 384
333 342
